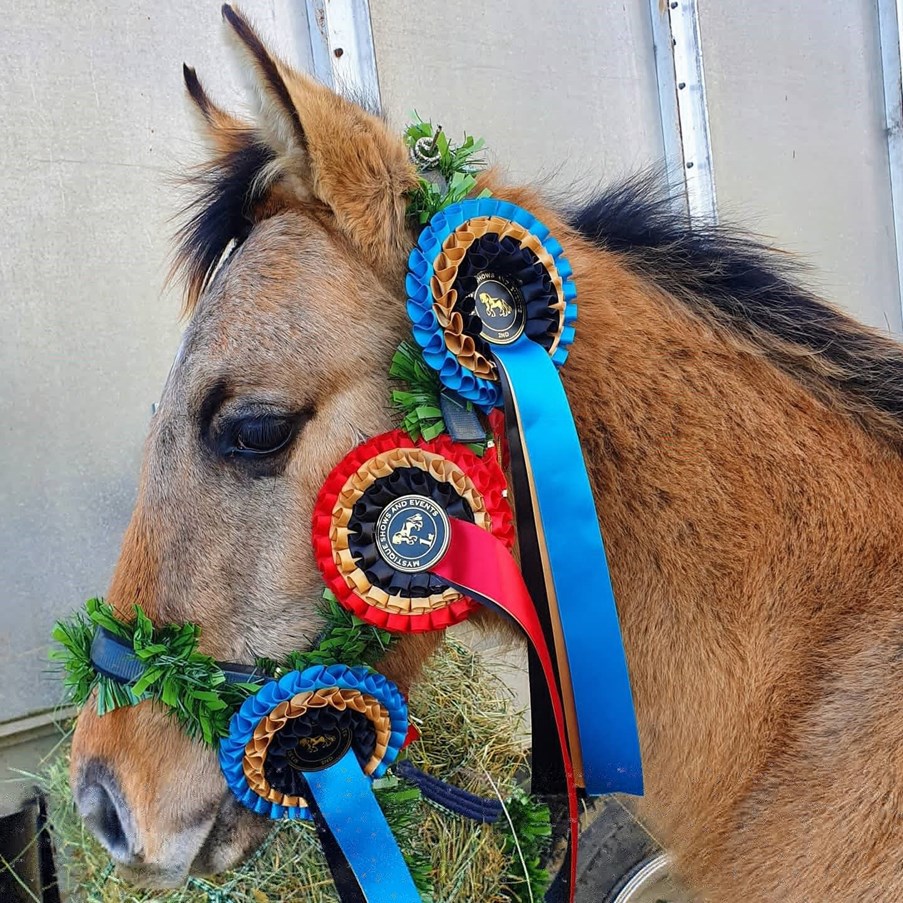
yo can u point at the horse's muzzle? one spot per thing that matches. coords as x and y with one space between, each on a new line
213 842
103 808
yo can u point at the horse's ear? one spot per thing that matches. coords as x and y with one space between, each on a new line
277 112
331 150
226 133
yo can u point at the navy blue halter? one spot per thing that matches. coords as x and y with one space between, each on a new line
115 658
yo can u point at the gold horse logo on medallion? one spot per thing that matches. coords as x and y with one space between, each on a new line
495 307
312 744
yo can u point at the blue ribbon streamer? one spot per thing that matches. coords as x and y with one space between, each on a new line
586 607
343 796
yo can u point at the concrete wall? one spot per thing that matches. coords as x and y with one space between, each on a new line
94 120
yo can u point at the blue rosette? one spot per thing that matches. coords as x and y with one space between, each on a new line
431 334
372 687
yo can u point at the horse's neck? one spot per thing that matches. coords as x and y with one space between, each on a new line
719 479
743 521
695 443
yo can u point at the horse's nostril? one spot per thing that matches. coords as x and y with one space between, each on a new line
102 817
104 811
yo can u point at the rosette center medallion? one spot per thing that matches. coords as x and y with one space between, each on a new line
412 533
500 306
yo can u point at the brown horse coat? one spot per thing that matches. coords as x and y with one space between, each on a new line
744 445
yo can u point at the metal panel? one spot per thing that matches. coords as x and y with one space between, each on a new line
564 94
341 42
889 13
796 109
683 108
692 111
663 46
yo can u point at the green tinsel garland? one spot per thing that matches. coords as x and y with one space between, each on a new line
187 682
455 166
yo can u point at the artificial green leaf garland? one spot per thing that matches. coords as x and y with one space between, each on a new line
189 683
447 175
454 164
419 404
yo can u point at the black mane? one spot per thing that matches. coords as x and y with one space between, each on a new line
225 191
733 281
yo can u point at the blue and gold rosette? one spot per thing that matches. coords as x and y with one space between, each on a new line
487 270
306 722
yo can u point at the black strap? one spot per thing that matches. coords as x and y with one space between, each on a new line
461 420
453 799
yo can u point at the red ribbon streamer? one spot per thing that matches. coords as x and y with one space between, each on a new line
480 566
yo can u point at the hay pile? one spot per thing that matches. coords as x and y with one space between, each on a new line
469 725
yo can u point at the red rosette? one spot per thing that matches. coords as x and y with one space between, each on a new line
479 481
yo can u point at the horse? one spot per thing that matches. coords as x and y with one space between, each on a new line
743 440
406 534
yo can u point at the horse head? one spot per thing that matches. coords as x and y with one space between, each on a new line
294 256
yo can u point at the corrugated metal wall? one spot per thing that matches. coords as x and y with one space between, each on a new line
795 100
564 95
568 94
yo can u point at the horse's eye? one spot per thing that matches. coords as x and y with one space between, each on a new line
260 435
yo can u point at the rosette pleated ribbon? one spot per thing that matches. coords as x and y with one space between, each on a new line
309 745
413 536
492 301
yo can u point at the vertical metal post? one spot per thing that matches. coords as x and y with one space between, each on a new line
890 16
663 47
682 101
341 42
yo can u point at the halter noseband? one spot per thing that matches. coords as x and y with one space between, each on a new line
116 659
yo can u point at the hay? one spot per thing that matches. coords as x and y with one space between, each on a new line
469 725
